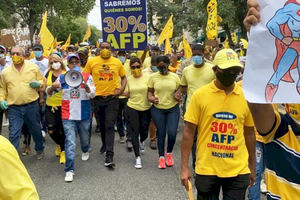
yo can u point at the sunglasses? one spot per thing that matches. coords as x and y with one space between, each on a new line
15 53
135 67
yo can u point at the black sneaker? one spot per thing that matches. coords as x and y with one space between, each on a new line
109 162
103 149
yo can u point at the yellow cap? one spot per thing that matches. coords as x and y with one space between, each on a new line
133 55
227 58
294 111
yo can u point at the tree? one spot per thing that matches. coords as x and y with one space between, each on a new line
191 15
31 11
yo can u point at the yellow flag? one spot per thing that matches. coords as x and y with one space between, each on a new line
168 49
245 43
187 48
180 47
76 44
212 20
87 34
234 38
167 32
97 44
190 191
226 43
46 36
67 43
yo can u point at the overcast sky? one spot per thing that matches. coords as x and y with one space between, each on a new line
94 17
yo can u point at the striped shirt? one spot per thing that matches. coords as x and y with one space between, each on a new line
282 153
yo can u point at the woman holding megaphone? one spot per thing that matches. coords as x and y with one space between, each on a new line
53 107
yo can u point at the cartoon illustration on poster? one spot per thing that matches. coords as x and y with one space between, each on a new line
279 72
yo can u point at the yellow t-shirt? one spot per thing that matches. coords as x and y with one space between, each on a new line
221 148
194 78
56 99
105 73
138 89
147 62
164 89
128 73
15 182
14 86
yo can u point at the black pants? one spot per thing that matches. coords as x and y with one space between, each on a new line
108 110
55 127
121 119
27 135
234 188
138 125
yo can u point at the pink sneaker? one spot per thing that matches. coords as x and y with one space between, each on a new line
161 163
170 161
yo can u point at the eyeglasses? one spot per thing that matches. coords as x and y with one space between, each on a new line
74 62
135 67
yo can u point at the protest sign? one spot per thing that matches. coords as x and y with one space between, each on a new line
272 66
21 36
124 24
7 41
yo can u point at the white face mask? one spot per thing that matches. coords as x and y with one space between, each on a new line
2 56
56 65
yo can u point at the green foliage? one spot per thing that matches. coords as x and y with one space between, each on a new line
191 15
62 27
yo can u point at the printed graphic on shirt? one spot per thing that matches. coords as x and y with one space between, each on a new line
74 93
106 74
223 135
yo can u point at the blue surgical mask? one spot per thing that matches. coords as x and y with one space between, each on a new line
38 54
122 59
197 60
154 68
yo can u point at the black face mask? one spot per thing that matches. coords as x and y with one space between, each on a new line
227 79
163 70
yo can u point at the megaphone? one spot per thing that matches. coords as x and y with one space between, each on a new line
73 78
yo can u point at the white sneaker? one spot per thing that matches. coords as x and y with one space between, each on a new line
138 163
85 156
43 134
142 147
69 176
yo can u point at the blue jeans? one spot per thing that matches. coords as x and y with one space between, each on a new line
30 115
166 120
254 191
71 128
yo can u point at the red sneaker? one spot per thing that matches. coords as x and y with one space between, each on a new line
162 163
170 161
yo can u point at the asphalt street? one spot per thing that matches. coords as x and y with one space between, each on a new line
93 181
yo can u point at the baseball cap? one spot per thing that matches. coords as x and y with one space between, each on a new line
83 51
227 58
37 47
73 56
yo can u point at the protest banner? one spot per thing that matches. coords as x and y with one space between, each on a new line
124 24
272 66
21 36
7 41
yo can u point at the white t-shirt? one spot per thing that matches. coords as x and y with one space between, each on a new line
8 62
43 64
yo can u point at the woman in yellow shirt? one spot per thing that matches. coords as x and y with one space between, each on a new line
138 107
53 107
165 110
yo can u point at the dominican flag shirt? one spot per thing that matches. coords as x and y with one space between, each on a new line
76 104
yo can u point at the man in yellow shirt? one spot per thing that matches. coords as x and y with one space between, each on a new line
194 77
107 71
226 139
19 87
15 182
